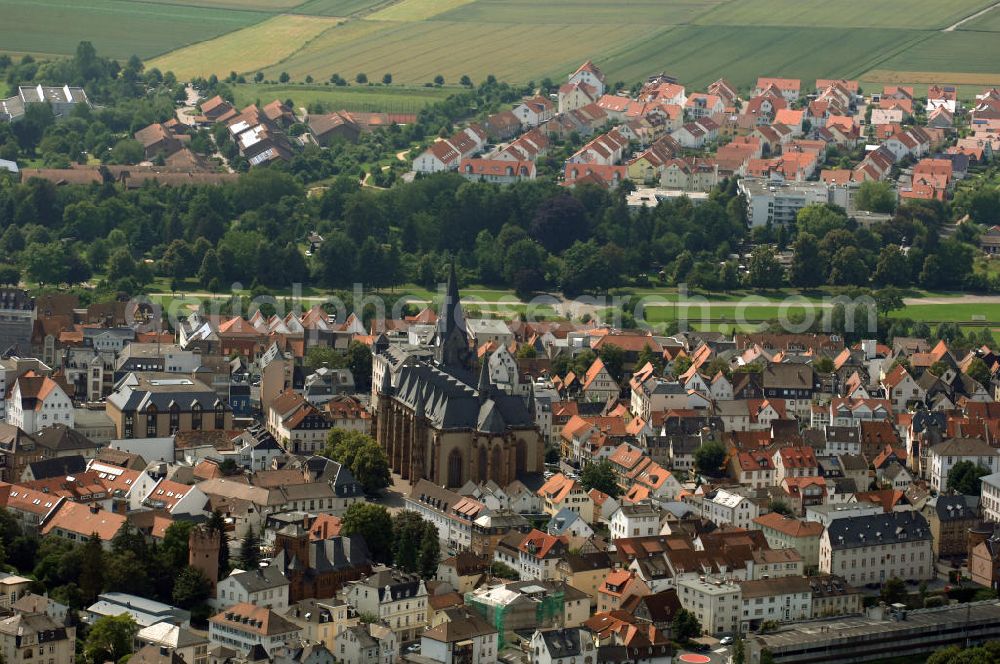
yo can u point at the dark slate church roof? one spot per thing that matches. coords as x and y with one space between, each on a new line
450 402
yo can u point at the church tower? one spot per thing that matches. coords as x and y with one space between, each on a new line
452 352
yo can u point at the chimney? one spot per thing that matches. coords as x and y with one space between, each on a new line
94 508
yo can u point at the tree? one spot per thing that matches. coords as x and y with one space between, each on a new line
848 268
613 358
91 568
888 299
439 80
739 650
110 638
361 79
127 151
374 525
283 77
892 268
191 588
779 506
387 79
217 523
709 458
465 80
765 270
250 551
875 197
685 626
964 477
820 219
806 270
407 539
504 571
600 475
978 371
558 222
430 551
893 590
361 455
647 356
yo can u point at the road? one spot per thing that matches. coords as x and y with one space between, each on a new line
954 26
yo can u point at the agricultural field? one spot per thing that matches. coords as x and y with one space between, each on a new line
412 51
699 55
988 22
338 7
415 40
117 28
269 6
396 99
915 14
275 39
416 10
559 12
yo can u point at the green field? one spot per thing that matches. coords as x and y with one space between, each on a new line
359 98
989 22
413 52
117 28
561 12
890 41
958 51
277 38
338 7
699 55
919 14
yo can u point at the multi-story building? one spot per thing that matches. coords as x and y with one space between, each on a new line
779 202
158 405
266 587
36 402
990 500
784 532
560 491
398 599
34 638
785 599
943 457
715 602
538 554
462 637
244 626
728 507
562 646
950 518
367 644
872 549
297 424
174 639
17 316
322 621
635 520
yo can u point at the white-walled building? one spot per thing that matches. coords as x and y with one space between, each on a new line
462 636
37 402
943 457
266 587
715 602
635 520
872 549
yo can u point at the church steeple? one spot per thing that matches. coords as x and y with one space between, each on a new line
484 379
452 350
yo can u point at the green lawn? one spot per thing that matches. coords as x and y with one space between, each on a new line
117 28
395 99
959 313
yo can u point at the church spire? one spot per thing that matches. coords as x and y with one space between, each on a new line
452 350
484 378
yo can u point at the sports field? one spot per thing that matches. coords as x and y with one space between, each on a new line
522 40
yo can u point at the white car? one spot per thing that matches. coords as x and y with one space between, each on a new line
726 641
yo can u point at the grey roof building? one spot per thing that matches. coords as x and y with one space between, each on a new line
878 530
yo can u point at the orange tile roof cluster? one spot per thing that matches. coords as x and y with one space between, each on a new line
558 487
790 526
85 521
541 545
